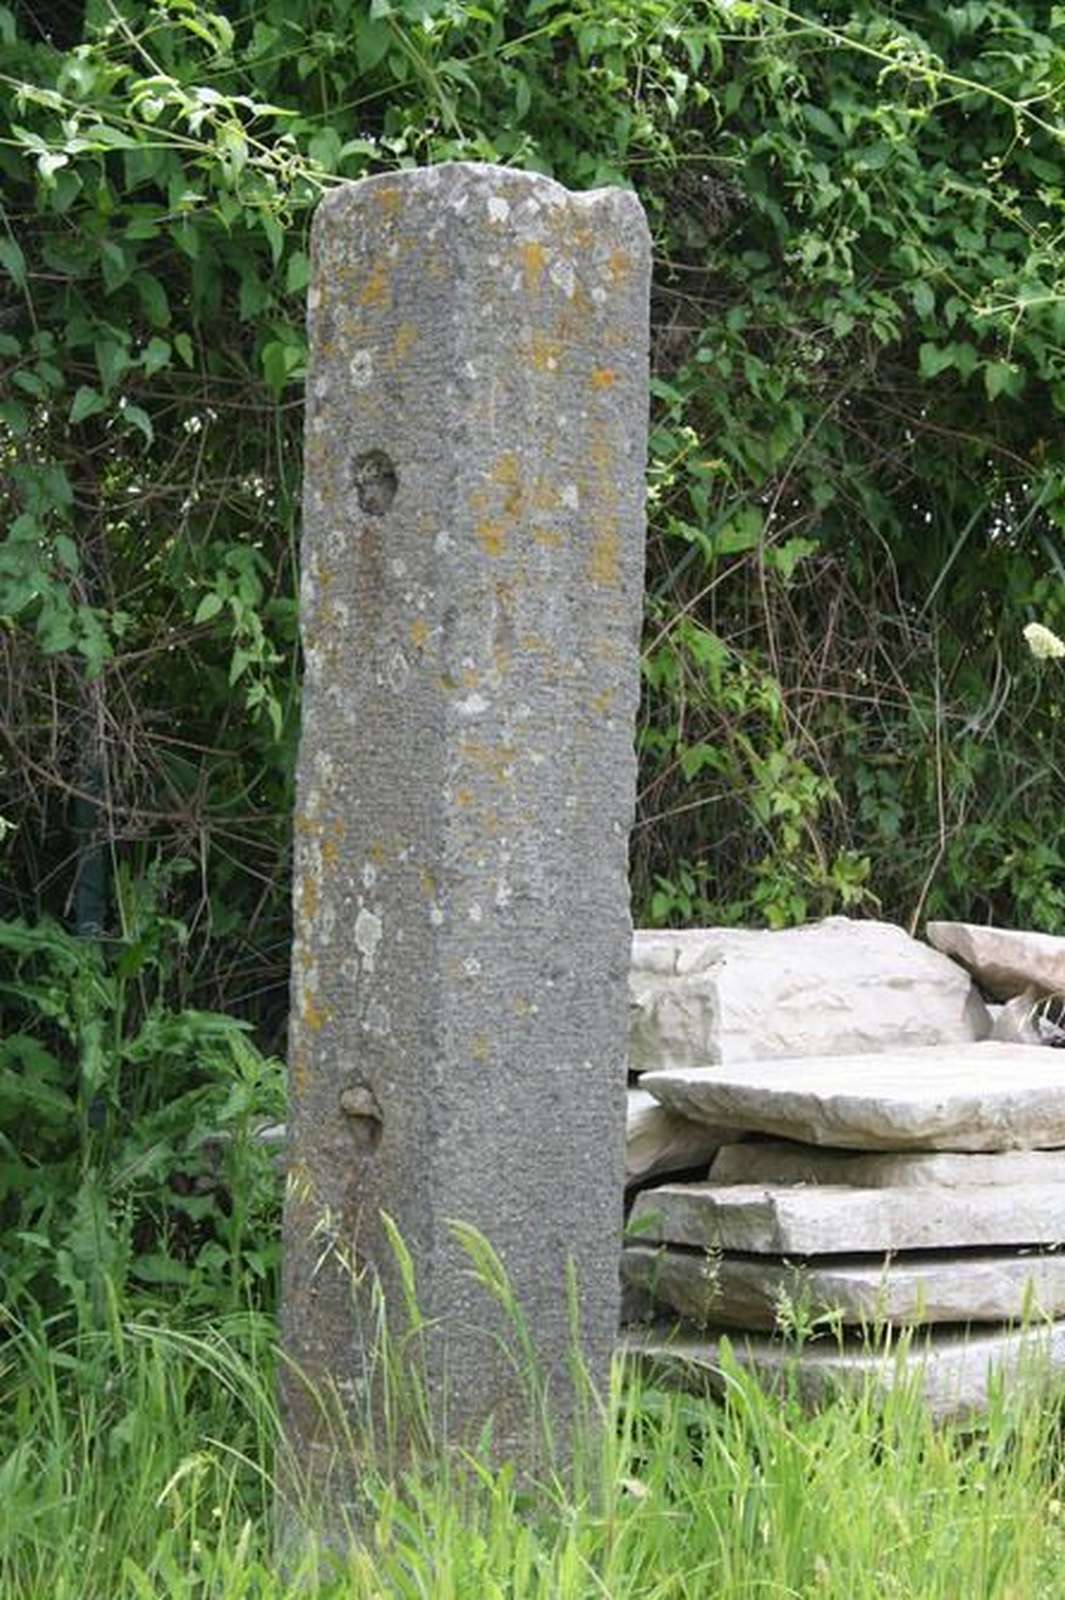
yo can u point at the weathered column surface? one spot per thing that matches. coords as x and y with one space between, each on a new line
472 573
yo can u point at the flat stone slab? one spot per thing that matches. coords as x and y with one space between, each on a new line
1005 961
705 995
981 1096
793 1220
658 1140
955 1371
906 1291
779 1161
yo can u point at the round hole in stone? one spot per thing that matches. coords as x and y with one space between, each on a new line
375 481
363 1115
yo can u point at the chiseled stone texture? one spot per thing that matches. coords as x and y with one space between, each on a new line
795 1220
778 1161
1004 961
726 1291
472 570
986 1096
706 995
657 1140
954 1371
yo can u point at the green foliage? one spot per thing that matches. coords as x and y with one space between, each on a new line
128 1131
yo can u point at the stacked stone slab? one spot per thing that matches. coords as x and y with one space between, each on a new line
918 1188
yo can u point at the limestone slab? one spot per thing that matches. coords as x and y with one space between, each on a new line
727 1291
470 605
781 1161
706 995
657 1140
979 1097
795 1220
953 1372
1004 961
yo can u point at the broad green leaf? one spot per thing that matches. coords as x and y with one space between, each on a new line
140 420
86 403
13 262
209 607
156 356
924 300
298 272
934 359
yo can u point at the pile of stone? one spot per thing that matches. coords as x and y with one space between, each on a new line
882 1161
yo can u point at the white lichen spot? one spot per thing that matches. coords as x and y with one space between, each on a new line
470 370
570 802
361 369
377 1019
368 932
399 567
473 705
436 915
321 388
442 542
570 496
326 922
314 297
476 914
599 294
563 277
349 969
504 894
369 875
498 208
324 768
398 669
471 967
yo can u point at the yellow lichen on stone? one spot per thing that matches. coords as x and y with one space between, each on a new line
404 342
464 798
603 378
545 353
605 557
533 262
378 854
315 1016
547 538
419 633
427 883
619 266
491 536
507 473
309 897
601 703
299 1073
479 1047
377 290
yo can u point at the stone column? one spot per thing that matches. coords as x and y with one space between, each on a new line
473 557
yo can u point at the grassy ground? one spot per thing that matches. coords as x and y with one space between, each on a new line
137 1462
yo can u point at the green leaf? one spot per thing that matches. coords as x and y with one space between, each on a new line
67 551
140 420
86 403
372 40
15 417
156 356
934 359
183 346
275 234
153 298
209 607
13 262
298 272
999 378
924 300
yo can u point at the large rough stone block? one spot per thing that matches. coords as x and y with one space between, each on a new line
985 1096
707 995
1004 961
472 571
954 1372
657 1140
907 1291
779 1161
823 1221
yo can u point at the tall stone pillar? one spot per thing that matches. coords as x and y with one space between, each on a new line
473 556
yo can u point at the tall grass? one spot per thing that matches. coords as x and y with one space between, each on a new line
139 1463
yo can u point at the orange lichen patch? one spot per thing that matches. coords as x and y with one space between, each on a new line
603 378
547 538
545 496
404 342
507 474
309 897
419 633
314 1016
377 290
388 199
605 556
491 536
619 266
479 1047
533 262
545 353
